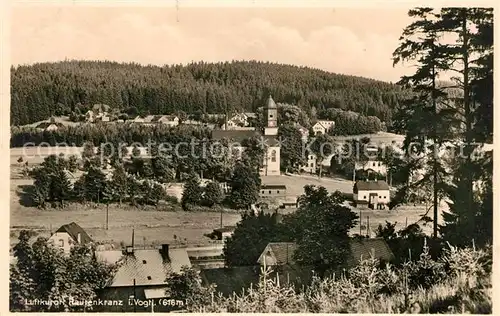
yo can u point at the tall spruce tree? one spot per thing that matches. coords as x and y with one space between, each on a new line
471 57
425 119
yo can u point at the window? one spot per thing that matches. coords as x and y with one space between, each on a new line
379 164
270 116
364 196
384 197
144 261
278 191
149 277
269 191
312 164
273 156
263 191
61 243
374 164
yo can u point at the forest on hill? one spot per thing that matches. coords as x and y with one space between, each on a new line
43 90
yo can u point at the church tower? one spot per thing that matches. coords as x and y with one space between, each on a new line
271 114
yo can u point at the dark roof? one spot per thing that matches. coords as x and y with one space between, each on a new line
371 185
365 248
273 186
235 135
73 229
270 140
270 103
145 266
47 124
283 251
360 249
225 229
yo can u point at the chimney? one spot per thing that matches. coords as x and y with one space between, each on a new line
79 238
164 252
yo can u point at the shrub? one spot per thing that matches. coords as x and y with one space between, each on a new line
458 282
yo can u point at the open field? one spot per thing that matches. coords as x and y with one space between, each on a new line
161 226
36 155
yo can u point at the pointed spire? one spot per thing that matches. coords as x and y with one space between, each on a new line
271 103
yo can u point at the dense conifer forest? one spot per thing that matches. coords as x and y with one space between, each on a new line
43 90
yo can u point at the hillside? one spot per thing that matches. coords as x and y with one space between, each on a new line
41 90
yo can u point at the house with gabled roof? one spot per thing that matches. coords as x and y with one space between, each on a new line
49 126
277 253
372 193
323 126
141 275
68 235
281 253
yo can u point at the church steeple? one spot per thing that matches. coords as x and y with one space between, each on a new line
271 112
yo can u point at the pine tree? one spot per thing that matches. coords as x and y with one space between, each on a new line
471 56
420 44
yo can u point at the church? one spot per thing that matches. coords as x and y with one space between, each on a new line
269 134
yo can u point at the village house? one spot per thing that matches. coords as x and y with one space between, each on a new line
372 165
137 119
272 190
141 275
224 232
68 235
169 120
277 253
310 165
271 160
322 127
240 120
49 126
281 253
199 124
304 132
103 117
290 202
374 194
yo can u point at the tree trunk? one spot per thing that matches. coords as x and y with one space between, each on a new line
468 112
434 156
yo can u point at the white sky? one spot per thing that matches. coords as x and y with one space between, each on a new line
356 41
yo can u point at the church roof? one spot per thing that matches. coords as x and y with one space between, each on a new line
270 103
234 135
241 135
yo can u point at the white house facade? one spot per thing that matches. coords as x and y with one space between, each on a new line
375 194
372 165
68 235
322 127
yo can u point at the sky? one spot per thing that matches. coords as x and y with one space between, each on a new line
354 41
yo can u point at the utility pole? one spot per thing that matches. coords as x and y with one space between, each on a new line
360 223
107 215
368 226
134 297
